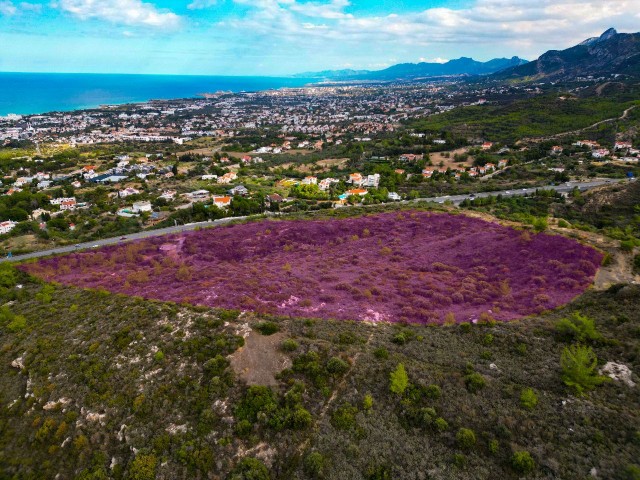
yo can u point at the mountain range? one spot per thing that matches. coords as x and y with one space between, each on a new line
407 71
610 53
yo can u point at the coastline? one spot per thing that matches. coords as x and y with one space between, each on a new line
41 93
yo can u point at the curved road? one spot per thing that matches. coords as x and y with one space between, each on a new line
455 199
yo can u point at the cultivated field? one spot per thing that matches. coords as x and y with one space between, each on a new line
414 267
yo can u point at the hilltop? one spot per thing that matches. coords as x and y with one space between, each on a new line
609 54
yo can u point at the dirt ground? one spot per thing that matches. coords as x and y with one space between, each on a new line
260 359
438 157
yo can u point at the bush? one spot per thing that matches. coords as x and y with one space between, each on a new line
433 392
367 402
344 417
337 366
522 462
494 446
143 467
441 424
474 382
381 353
249 469
528 398
636 264
289 345
579 364
465 438
578 328
314 465
399 380
267 328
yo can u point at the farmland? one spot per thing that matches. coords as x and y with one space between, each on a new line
410 267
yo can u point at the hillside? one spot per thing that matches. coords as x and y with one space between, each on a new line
102 386
611 53
540 116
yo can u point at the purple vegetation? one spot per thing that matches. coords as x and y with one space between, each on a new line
417 267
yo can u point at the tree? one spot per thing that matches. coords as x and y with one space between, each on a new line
579 364
465 438
522 462
143 467
399 380
528 398
578 328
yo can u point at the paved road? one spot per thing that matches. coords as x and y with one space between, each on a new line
455 199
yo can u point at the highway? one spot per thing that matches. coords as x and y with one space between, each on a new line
455 199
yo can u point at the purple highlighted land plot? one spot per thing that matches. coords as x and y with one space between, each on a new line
417 267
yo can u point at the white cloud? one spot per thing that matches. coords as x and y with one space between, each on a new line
125 12
201 4
7 8
434 60
524 26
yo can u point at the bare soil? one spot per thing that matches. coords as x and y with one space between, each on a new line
260 359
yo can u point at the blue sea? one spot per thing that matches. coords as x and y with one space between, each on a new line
30 93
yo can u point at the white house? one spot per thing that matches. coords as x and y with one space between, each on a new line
6 227
128 191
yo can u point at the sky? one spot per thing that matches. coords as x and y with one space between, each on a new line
282 37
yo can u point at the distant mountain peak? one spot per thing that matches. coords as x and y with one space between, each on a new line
606 35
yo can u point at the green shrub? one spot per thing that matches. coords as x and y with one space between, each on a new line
344 417
441 424
143 467
433 392
578 327
399 380
627 245
459 460
522 462
465 327
474 382
636 264
494 446
159 356
563 223
487 339
337 366
578 365
465 438
289 345
249 469
314 465
367 402
267 328
381 353
528 398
